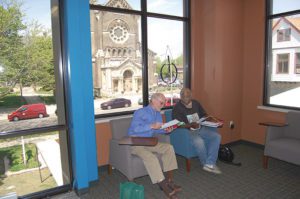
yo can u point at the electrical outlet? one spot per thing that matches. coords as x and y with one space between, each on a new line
231 125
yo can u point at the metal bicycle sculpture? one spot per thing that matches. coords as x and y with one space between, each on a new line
168 72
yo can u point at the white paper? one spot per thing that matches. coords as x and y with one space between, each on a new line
168 124
210 124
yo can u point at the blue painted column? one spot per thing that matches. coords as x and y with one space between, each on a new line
79 90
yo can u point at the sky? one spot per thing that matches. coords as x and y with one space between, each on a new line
285 5
161 33
37 10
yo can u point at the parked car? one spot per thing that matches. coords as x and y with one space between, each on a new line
116 103
168 101
28 111
140 101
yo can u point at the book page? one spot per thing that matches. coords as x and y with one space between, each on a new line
193 118
168 124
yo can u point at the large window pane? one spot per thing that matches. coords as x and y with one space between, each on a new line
171 7
31 96
165 58
117 61
118 41
280 6
32 163
283 81
27 66
129 4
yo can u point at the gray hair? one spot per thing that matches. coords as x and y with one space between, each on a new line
157 96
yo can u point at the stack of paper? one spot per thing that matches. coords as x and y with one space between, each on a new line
211 124
210 121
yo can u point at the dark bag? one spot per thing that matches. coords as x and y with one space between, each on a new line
226 155
130 190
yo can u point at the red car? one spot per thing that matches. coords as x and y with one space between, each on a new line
168 101
28 111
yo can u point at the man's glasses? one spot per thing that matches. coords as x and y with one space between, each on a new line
161 102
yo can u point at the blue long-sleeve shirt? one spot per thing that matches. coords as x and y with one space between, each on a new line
142 120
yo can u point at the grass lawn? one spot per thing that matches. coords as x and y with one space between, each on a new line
12 101
14 154
26 183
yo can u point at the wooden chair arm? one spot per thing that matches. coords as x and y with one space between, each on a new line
275 124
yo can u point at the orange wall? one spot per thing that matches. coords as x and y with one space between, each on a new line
253 79
217 60
228 64
103 135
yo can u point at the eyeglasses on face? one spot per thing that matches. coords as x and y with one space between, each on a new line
162 102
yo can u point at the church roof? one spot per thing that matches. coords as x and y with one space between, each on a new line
128 60
118 4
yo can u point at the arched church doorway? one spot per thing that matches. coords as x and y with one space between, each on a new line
127 80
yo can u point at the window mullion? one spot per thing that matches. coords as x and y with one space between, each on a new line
144 51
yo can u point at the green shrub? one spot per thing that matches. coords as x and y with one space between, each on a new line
12 101
14 154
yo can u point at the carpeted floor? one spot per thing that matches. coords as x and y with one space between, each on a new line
281 180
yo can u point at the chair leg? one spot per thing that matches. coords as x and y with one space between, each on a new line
188 165
265 161
109 170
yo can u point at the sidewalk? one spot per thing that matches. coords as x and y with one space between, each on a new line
30 96
49 153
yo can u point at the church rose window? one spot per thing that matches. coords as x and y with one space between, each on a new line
119 31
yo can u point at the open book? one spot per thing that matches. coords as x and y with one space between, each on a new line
173 123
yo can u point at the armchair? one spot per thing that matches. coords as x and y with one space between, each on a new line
120 156
181 142
283 141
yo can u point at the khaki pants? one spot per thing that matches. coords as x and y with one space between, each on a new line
151 162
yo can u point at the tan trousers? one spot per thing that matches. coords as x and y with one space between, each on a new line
151 162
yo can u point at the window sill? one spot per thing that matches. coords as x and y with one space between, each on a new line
108 119
268 108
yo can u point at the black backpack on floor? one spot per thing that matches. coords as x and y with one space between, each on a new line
226 155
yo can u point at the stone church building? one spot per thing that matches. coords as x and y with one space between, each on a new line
117 51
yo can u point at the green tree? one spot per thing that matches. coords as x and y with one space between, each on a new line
26 53
11 48
39 58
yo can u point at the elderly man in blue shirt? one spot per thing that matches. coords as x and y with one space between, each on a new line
146 122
